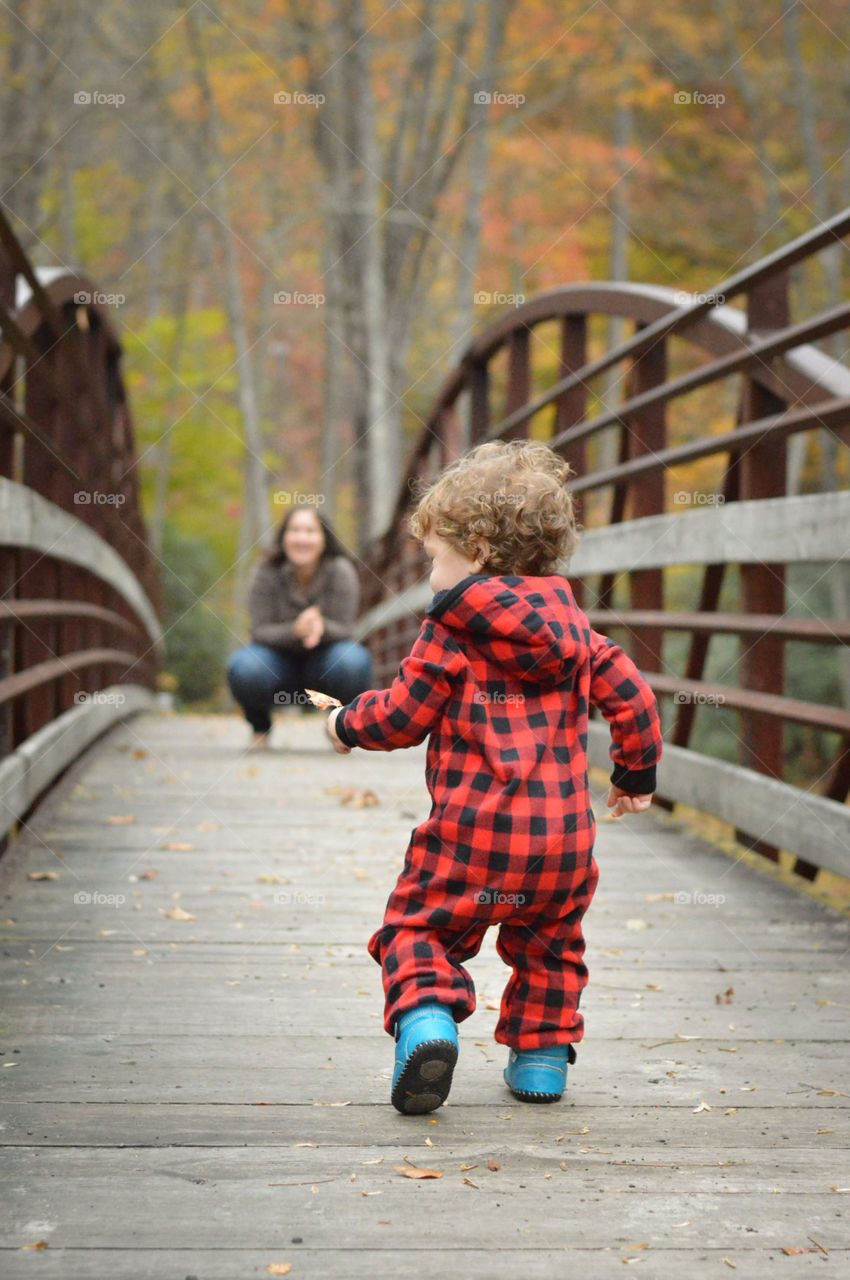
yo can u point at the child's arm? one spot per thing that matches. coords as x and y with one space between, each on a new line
629 706
405 713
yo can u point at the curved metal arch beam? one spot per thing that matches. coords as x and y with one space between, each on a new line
60 286
800 374
29 520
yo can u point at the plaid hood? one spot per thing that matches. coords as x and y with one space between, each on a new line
530 628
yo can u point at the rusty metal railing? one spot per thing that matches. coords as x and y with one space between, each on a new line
723 378
79 593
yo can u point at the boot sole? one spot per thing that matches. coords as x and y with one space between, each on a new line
425 1082
525 1096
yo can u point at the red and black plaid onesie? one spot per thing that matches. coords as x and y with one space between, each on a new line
501 676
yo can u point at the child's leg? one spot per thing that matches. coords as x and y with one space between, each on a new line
422 965
546 951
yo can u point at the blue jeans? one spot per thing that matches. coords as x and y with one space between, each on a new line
261 678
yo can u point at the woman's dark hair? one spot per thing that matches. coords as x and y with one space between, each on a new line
333 546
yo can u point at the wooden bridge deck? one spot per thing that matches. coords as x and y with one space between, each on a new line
209 1096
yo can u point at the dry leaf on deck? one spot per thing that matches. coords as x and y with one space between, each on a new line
279 1268
413 1171
358 797
123 818
43 875
177 913
178 845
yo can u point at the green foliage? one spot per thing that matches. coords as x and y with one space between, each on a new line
194 406
197 636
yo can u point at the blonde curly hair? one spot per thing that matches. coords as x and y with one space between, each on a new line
510 493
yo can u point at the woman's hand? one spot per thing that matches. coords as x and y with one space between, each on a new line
338 745
624 802
309 626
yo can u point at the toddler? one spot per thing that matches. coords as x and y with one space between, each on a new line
499 679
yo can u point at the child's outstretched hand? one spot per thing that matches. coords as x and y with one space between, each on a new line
624 802
338 745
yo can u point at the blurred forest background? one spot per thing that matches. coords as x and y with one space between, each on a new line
304 210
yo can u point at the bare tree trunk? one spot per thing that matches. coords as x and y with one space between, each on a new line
768 215
382 441
608 440
162 452
254 518
479 147
384 203
332 415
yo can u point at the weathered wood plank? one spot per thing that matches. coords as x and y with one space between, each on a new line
154 1096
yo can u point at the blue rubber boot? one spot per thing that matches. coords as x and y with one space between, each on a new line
425 1055
539 1075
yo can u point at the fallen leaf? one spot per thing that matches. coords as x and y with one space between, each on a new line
428 1142
492 1166
177 913
470 1183
178 845
358 798
139 754
842 1190
574 1133
465 1167
116 821
636 925
731 1264
703 1106
826 1131
279 1268
38 1244
150 875
305 1144
731 1111
409 1170
43 875
370 1193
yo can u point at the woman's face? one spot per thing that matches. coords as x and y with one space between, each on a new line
304 539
